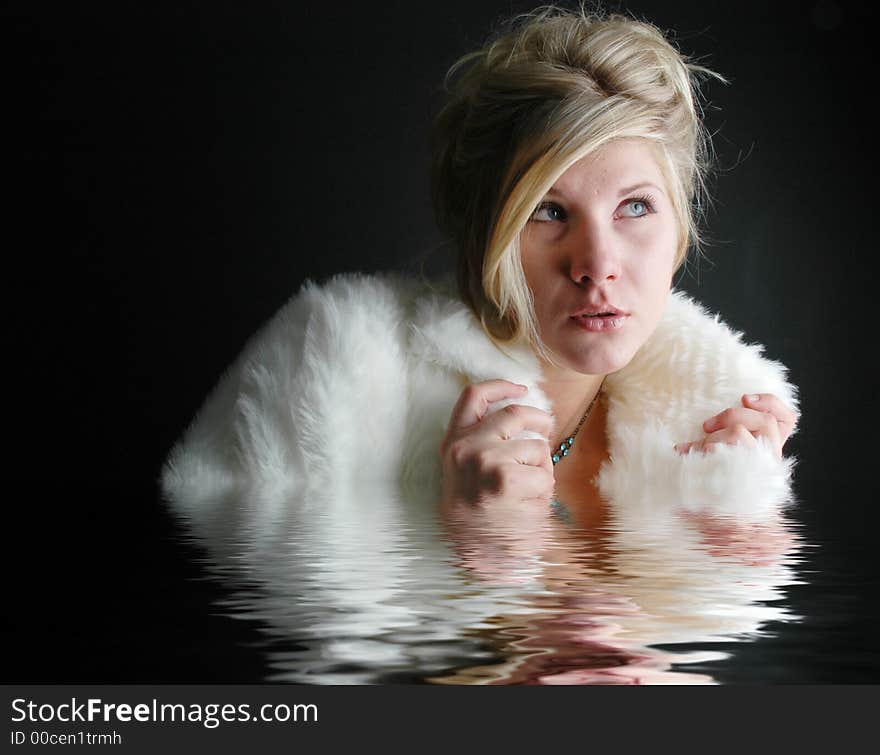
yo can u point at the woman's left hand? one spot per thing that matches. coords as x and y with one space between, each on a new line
761 414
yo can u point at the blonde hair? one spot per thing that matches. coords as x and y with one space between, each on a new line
552 87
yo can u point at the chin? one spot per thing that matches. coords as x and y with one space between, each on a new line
600 361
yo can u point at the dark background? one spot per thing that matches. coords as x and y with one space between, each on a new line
173 172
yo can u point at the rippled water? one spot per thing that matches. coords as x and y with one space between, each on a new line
507 595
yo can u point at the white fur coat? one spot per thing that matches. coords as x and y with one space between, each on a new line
354 380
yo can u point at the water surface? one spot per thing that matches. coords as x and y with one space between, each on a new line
350 593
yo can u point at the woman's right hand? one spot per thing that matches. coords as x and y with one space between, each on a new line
494 486
482 463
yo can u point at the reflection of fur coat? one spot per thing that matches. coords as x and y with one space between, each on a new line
355 379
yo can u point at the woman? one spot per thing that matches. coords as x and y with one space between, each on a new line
568 166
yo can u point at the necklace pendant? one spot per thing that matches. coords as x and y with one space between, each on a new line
563 449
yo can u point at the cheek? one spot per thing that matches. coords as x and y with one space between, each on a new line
540 280
659 258
653 281
531 271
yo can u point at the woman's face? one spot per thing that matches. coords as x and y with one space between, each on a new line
598 255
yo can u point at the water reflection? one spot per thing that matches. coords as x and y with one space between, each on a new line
370 584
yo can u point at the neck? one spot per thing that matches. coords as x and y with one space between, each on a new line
570 394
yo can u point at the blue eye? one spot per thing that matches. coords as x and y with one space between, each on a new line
548 212
641 206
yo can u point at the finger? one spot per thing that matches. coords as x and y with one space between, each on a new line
511 420
694 446
733 435
521 468
757 422
473 403
769 402
531 453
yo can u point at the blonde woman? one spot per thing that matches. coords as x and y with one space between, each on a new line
568 170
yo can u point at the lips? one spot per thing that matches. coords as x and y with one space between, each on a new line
601 321
600 310
599 317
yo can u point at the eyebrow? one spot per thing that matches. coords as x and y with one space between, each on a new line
622 193
636 187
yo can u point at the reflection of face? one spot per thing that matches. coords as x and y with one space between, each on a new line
603 238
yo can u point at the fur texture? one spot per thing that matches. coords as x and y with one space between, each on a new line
355 379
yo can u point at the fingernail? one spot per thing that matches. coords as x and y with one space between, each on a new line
753 397
709 424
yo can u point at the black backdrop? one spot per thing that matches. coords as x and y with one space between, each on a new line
175 171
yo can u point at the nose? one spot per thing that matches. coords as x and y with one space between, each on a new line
593 256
